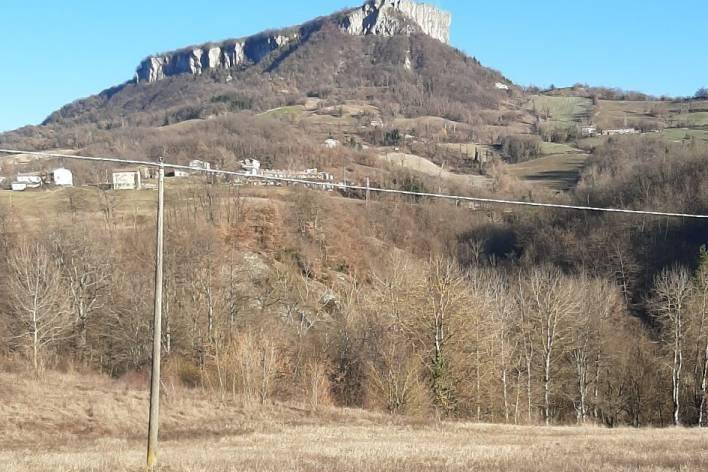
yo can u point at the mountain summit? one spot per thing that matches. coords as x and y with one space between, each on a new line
392 55
376 17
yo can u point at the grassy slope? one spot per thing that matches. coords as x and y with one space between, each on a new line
678 134
555 171
91 423
562 110
560 166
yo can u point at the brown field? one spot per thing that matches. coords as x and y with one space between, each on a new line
69 422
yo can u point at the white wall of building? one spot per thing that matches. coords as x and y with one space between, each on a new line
32 181
63 177
126 180
201 165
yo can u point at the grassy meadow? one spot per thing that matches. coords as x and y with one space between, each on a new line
78 422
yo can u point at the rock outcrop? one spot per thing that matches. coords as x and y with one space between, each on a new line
376 17
225 56
391 17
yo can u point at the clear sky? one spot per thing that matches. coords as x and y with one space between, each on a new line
58 51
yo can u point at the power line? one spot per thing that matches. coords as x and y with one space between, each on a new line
345 186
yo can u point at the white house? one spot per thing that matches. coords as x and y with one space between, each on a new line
331 143
31 179
620 132
501 86
63 177
199 165
589 130
127 180
19 186
251 166
147 172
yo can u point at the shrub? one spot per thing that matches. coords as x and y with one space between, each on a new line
520 148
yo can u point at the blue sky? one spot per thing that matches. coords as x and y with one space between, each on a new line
56 52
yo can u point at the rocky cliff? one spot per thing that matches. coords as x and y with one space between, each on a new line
376 17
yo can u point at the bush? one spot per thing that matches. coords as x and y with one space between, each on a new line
234 102
188 374
393 137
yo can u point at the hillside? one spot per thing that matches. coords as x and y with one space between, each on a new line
375 79
379 79
380 52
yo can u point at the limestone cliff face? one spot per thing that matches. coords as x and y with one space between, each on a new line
391 17
225 56
377 17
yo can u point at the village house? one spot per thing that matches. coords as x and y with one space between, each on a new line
251 166
176 173
63 177
620 132
147 172
199 165
331 143
195 164
127 180
588 131
30 179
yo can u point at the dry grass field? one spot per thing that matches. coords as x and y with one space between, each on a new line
559 168
71 422
562 109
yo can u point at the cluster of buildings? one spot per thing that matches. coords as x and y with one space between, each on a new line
589 131
252 167
134 178
59 177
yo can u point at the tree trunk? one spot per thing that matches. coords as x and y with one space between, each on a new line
518 396
704 393
547 389
35 351
596 387
506 396
528 386
676 372
479 382
35 338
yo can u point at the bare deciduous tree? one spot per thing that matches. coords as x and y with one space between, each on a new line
443 317
672 290
38 298
552 301
86 274
699 308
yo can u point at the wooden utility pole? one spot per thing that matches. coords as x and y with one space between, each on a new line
368 191
154 421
